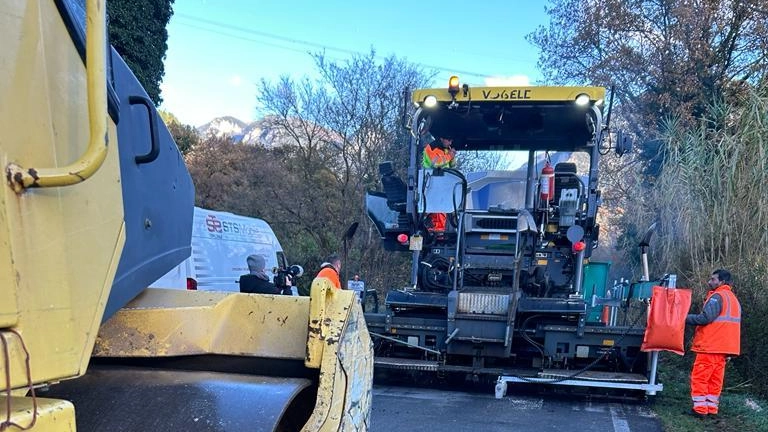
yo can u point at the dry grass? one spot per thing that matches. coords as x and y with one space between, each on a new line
712 204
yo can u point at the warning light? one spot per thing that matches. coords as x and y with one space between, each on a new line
402 238
579 246
453 85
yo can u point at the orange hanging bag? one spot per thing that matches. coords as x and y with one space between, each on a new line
666 320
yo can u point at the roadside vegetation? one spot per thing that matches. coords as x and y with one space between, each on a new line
321 147
740 410
691 83
710 202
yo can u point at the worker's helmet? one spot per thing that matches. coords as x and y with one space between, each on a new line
440 142
428 139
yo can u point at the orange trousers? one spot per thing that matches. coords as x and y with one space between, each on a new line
707 382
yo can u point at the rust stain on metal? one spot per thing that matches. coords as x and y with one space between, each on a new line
14 176
33 173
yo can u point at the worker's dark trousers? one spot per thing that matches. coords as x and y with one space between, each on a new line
707 382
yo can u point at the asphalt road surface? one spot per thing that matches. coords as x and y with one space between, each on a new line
428 410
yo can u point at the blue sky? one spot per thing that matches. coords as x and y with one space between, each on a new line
219 49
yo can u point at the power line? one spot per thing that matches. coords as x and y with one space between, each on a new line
265 34
473 53
297 42
244 38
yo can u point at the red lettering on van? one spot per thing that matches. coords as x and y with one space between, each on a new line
213 224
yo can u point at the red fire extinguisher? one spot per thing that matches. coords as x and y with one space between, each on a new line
547 185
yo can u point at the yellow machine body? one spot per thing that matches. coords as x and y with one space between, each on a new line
62 233
60 246
509 94
326 331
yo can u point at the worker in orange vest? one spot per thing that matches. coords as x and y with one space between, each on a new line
438 154
717 338
330 269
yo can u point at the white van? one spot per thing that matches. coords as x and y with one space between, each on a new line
221 242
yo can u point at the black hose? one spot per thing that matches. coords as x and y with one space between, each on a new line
587 367
530 340
435 263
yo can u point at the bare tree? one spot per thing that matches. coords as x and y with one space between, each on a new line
667 58
334 132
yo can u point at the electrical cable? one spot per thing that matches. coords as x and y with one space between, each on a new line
300 42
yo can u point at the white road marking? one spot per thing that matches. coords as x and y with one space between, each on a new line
619 424
525 404
598 407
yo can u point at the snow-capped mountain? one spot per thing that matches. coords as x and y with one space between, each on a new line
259 132
224 126
254 133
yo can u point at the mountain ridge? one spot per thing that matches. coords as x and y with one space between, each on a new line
240 131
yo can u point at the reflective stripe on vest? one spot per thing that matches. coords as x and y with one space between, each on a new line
723 335
726 314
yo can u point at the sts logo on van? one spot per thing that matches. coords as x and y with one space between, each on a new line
224 229
213 224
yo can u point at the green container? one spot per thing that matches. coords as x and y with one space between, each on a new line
643 290
595 281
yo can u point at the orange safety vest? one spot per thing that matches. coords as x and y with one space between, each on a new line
330 274
435 157
723 335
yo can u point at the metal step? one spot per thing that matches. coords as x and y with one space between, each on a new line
595 376
406 364
612 380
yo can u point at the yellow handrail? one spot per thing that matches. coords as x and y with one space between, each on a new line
20 178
